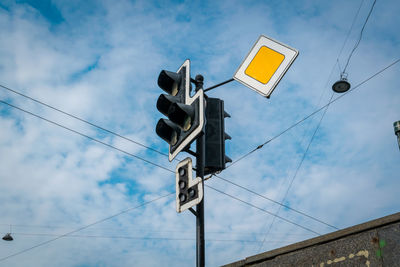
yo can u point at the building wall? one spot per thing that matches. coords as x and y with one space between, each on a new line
375 243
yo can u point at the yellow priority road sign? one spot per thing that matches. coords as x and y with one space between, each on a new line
265 65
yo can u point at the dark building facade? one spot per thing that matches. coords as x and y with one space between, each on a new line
374 243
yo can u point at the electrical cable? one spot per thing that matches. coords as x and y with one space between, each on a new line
332 101
327 105
318 125
276 215
319 101
277 202
83 120
119 135
295 173
84 135
340 52
87 226
359 39
348 33
143 238
125 151
263 210
103 143
91 138
133 229
313 113
337 61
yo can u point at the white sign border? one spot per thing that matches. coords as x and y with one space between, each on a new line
266 90
191 183
188 101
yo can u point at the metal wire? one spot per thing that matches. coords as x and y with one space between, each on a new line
263 210
84 135
276 202
86 226
359 39
295 174
313 113
83 120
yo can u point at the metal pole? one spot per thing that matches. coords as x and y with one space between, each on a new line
218 85
200 244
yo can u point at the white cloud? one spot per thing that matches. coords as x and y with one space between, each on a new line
101 63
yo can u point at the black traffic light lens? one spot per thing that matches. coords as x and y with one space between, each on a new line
191 192
181 171
164 102
182 197
182 184
181 114
169 81
167 131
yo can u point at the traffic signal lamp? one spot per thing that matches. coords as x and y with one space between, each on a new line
185 113
169 81
215 136
168 131
189 192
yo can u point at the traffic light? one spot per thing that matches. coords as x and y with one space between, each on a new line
189 192
215 136
185 113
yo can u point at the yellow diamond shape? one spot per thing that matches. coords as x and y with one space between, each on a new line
264 64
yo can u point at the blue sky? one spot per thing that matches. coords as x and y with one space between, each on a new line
100 60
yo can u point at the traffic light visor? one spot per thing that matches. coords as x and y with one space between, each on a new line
168 131
164 102
182 114
169 81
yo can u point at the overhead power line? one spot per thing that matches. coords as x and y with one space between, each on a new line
318 125
129 139
146 203
143 238
46 242
129 229
295 174
325 106
359 39
263 210
319 101
276 202
87 226
239 159
358 85
102 128
351 28
87 136
123 151
313 113
73 116
83 120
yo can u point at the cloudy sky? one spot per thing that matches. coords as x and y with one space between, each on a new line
99 61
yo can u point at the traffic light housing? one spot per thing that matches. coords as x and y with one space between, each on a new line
215 136
189 191
185 113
